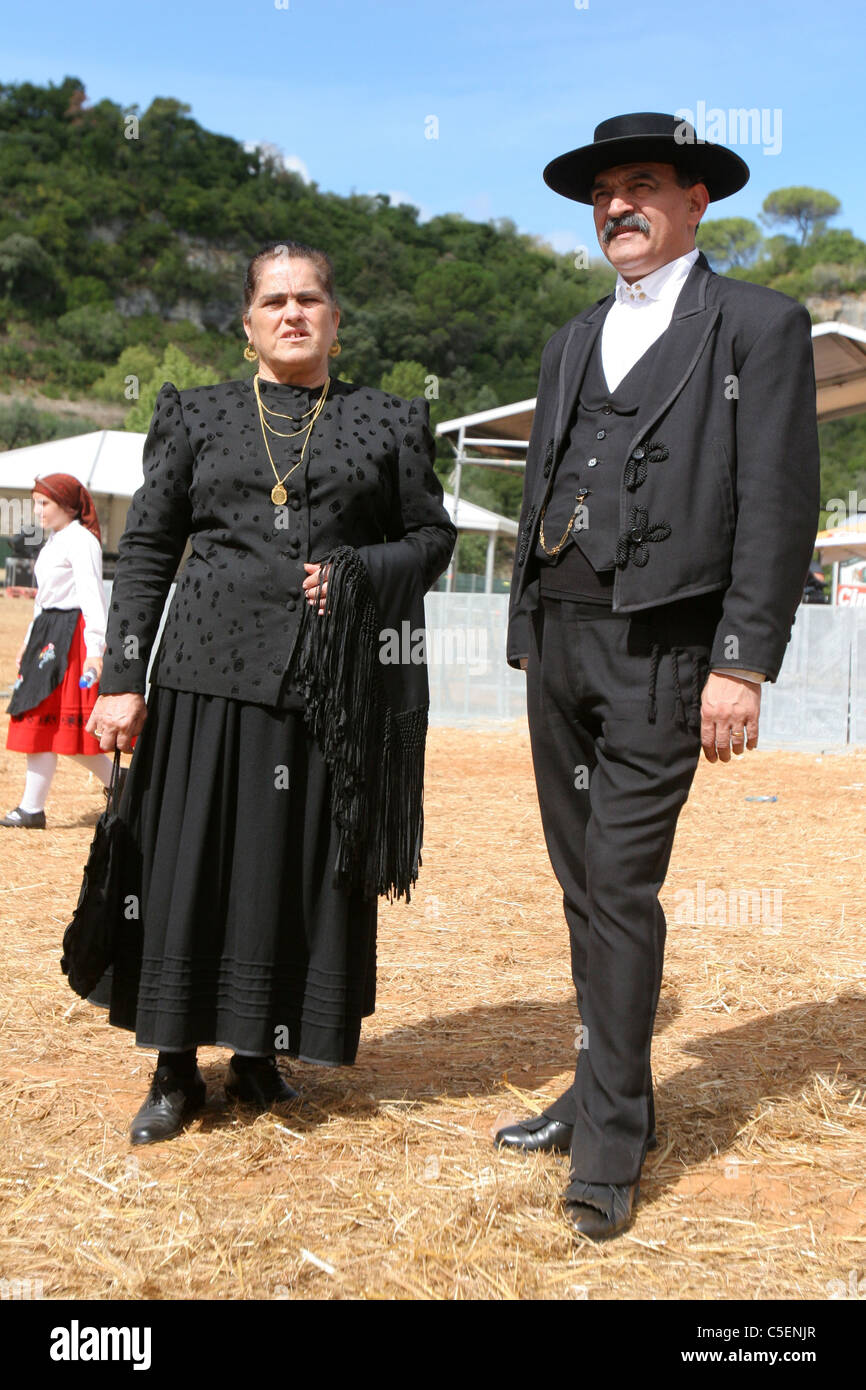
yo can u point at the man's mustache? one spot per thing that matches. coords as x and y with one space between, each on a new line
631 221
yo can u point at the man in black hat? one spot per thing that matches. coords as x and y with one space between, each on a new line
669 516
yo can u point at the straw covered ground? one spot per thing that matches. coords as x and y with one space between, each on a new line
382 1182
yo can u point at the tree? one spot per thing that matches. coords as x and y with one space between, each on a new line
807 208
26 271
729 241
406 379
175 367
97 332
21 424
122 382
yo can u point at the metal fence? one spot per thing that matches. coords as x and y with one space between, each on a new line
818 702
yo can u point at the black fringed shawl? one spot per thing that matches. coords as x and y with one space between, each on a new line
369 719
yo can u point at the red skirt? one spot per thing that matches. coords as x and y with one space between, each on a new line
57 724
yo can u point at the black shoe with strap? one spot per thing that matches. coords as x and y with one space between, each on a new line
543 1134
600 1210
257 1081
170 1102
24 820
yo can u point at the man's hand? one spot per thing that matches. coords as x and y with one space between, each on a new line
730 707
524 662
116 720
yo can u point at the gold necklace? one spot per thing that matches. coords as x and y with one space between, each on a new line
270 411
278 492
555 549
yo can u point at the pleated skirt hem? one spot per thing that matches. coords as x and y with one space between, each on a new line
241 939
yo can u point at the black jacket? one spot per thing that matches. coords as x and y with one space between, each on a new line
732 398
367 482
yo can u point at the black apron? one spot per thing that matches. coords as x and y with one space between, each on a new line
52 632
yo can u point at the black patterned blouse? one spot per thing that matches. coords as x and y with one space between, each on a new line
366 481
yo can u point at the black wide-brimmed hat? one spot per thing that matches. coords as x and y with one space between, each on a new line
652 136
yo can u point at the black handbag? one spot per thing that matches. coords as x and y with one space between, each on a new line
108 902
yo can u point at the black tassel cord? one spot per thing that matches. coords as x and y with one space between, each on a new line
375 756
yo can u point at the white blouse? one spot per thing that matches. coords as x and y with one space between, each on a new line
68 573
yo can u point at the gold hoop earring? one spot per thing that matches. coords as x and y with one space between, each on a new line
335 349
250 353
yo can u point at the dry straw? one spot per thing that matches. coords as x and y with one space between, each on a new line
382 1182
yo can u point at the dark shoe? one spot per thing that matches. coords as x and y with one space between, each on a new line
24 820
600 1210
542 1134
170 1102
258 1082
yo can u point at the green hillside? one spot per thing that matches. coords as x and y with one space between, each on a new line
123 235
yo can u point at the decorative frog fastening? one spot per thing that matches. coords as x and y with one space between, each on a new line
650 451
632 544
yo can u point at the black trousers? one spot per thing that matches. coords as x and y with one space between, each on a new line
614 720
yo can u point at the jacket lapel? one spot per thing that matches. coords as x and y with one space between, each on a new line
680 347
572 365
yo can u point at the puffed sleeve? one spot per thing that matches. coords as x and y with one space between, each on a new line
157 527
424 536
85 555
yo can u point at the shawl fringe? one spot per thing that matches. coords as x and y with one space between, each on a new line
375 756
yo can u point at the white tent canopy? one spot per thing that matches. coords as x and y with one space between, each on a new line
843 543
840 369
839 351
499 437
108 463
474 518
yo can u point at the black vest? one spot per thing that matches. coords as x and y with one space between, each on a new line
593 462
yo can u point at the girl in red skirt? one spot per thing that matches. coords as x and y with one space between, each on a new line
64 643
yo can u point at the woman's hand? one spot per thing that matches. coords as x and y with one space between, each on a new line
94 663
116 720
315 583
20 656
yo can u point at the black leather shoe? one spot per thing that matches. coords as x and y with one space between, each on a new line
170 1102
600 1210
542 1134
24 820
258 1083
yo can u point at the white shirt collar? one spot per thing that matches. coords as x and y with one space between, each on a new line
659 284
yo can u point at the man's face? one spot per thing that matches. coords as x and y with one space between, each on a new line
643 218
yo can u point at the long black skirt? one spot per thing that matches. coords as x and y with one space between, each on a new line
242 940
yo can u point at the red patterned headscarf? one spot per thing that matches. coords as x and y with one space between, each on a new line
72 495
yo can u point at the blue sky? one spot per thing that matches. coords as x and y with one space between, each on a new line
346 87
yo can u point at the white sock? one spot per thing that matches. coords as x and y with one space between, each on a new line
98 763
41 768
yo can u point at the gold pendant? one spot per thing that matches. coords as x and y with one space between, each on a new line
278 495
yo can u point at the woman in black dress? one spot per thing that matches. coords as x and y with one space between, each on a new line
276 785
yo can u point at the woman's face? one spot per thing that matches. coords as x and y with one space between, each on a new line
49 514
291 322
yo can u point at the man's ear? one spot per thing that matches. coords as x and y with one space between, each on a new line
699 201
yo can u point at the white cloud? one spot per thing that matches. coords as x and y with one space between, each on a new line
292 163
296 165
562 240
479 208
397 197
